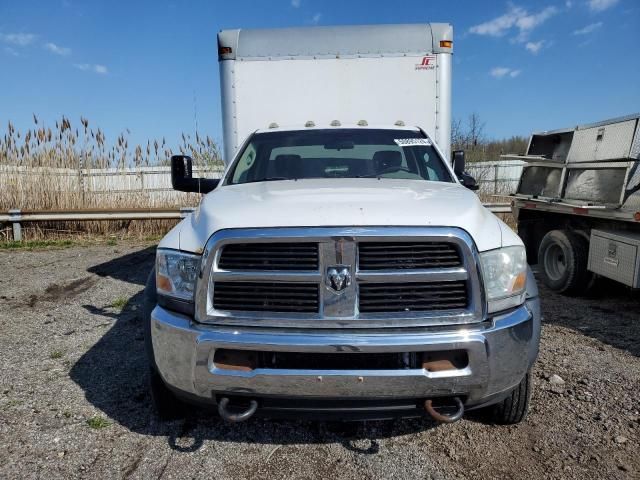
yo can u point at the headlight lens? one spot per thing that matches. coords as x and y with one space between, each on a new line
505 276
176 274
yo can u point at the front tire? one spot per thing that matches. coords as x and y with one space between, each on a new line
515 407
563 258
164 402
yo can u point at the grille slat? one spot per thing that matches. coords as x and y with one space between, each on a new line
269 256
372 250
274 266
272 301
414 253
266 297
412 297
384 264
407 255
417 298
414 304
258 286
260 254
405 287
236 294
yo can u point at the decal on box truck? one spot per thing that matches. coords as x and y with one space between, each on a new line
428 63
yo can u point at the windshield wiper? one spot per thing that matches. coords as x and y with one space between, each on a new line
270 179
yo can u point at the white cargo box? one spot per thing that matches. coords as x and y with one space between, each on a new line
616 255
377 73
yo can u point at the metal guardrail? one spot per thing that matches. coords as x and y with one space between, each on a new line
17 217
498 207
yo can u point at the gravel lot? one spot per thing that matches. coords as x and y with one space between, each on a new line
73 398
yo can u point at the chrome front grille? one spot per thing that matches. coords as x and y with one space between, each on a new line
407 255
412 297
340 278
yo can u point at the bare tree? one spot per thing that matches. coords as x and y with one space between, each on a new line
475 131
457 135
470 136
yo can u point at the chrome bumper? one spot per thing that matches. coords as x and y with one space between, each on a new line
500 352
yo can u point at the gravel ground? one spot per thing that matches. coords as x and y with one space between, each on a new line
73 399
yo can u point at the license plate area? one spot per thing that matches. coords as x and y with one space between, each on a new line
249 360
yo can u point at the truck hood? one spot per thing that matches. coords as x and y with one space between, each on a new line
339 202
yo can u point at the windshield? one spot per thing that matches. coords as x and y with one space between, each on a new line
347 153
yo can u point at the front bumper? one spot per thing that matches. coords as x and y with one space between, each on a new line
500 352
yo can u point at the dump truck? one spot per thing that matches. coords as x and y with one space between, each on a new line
342 267
578 204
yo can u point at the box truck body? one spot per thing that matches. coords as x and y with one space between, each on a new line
380 74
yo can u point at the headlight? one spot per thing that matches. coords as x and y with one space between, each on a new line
176 274
505 276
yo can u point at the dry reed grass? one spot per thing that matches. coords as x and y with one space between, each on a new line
54 168
60 168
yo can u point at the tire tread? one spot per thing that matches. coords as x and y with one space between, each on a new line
514 408
166 405
576 249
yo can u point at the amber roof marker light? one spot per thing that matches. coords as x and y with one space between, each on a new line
446 44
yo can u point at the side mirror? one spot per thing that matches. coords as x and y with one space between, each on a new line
468 181
182 176
458 162
458 168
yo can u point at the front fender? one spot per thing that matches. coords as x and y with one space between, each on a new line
533 302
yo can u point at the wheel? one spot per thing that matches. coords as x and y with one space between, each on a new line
562 258
165 403
514 408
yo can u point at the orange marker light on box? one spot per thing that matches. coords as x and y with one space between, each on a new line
446 44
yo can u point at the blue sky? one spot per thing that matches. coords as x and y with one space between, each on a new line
522 66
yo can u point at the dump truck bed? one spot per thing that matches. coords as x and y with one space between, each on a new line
591 170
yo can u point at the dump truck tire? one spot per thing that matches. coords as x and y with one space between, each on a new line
562 260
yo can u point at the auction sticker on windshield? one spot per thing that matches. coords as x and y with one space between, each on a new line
410 142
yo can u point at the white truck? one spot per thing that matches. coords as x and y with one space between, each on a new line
340 268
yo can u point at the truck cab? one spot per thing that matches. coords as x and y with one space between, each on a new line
339 268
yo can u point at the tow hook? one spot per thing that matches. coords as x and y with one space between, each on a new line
440 417
236 417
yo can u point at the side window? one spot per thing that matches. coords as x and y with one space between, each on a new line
433 166
431 173
243 167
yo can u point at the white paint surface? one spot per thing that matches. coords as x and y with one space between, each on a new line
341 202
291 92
